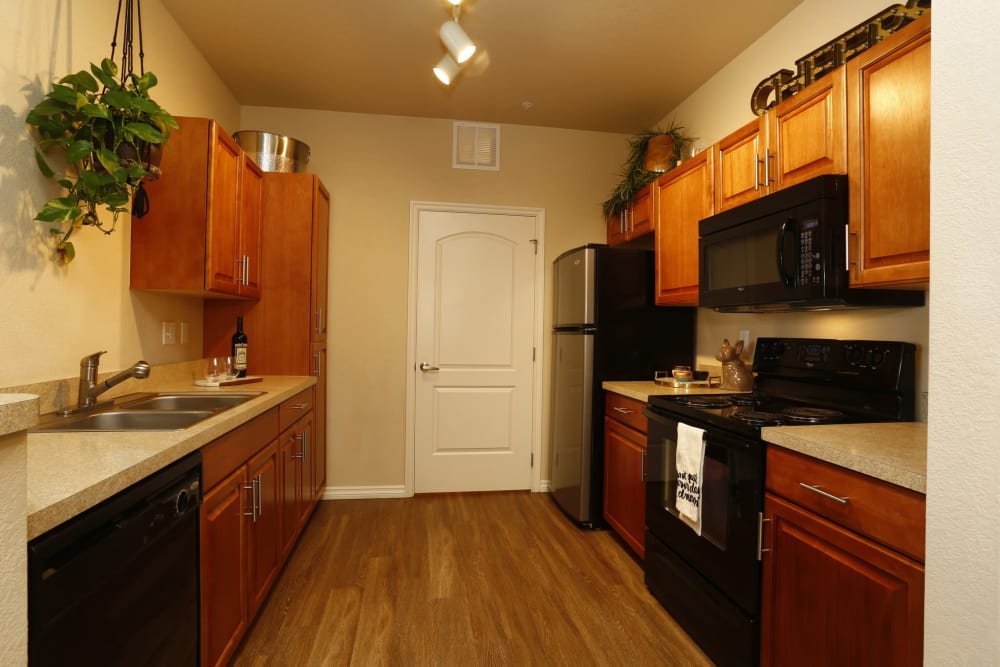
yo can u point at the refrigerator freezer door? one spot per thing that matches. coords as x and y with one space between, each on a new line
574 288
571 439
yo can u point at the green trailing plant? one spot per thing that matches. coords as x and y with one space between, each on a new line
634 174
110 133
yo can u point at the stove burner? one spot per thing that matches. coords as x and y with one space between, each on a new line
705 401
746 400
755 418
807 415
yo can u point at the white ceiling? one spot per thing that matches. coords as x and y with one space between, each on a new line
607 65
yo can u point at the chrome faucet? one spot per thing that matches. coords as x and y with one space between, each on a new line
90 388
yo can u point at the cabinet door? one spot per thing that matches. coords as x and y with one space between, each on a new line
320 260
832 597
888 162
251 211
641 213
684 196
738 172
624 483
806 134
319 413
617 228
265 547
222 272
291 487
223 568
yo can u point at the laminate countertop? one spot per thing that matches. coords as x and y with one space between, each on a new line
895 452
69 472
641 390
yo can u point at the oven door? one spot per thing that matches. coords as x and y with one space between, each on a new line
726 553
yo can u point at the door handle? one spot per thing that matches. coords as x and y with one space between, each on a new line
426 367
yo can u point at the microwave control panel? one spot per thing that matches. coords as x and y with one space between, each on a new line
810 257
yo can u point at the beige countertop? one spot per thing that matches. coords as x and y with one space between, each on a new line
71 472
894 452
18 412
641 390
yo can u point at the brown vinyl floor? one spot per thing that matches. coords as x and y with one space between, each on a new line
461 579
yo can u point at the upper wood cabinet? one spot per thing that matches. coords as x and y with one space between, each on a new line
683 195
800 138
635 221
888 92
202 233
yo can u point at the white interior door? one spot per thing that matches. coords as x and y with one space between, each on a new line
473 384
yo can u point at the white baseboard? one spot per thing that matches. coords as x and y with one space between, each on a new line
359 492
545 486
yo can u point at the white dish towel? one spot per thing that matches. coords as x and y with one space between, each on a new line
690 462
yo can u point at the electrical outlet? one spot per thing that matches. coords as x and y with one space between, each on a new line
745 337
185 327
169 333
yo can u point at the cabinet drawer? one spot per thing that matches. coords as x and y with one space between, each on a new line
223 455
294 408
884 512
626 410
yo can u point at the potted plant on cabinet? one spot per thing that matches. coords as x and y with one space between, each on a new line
110 133
651 153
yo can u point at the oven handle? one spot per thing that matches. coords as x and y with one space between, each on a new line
786 278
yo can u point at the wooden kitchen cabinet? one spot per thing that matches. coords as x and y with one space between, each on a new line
287 326
802 137
202 235
624 469
888 166
248 527
684 195
635 221
842 581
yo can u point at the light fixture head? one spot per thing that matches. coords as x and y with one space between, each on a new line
446 70
456 3
458 43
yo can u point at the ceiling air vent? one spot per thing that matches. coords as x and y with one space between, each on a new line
476 146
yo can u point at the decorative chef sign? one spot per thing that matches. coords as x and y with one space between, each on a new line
785 83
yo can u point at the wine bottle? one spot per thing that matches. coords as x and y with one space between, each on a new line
240 349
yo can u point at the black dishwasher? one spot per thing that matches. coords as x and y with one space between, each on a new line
118 585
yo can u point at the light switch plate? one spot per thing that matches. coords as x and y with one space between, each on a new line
169 333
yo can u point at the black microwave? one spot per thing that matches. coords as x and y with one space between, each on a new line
785 251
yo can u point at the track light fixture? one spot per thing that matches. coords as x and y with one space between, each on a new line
460 47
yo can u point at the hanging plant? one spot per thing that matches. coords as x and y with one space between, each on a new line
637 173
110 134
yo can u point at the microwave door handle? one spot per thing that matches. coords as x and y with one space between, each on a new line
786 278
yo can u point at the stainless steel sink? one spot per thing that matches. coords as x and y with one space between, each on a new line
128 420
165 411
194 400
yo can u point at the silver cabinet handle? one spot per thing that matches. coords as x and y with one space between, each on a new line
239 270
624 411
767 167
760 535
300 406
301 437
252 488
642 465
426 367
318 367
246 269
260 494
816 489
756 167
319 320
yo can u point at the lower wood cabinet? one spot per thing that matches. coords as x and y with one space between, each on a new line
259 483
624 469
839 587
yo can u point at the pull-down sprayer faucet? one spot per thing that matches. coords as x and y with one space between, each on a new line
90 388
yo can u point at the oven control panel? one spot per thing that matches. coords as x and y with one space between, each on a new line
875 363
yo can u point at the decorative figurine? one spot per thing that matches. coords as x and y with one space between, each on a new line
735 375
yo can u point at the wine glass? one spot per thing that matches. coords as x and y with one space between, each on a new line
212 369
227 370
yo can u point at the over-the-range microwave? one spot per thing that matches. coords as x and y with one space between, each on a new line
785 251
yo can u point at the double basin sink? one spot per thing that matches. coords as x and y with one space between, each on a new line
167 411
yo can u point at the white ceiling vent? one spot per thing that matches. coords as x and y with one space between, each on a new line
476 146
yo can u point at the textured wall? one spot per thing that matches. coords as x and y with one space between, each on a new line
962 620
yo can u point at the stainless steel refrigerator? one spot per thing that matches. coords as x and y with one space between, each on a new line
605 327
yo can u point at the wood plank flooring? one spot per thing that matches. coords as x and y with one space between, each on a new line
461 579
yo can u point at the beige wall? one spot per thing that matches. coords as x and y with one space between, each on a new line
722 105
374 167
52 316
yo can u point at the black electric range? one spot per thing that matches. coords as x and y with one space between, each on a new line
709 578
